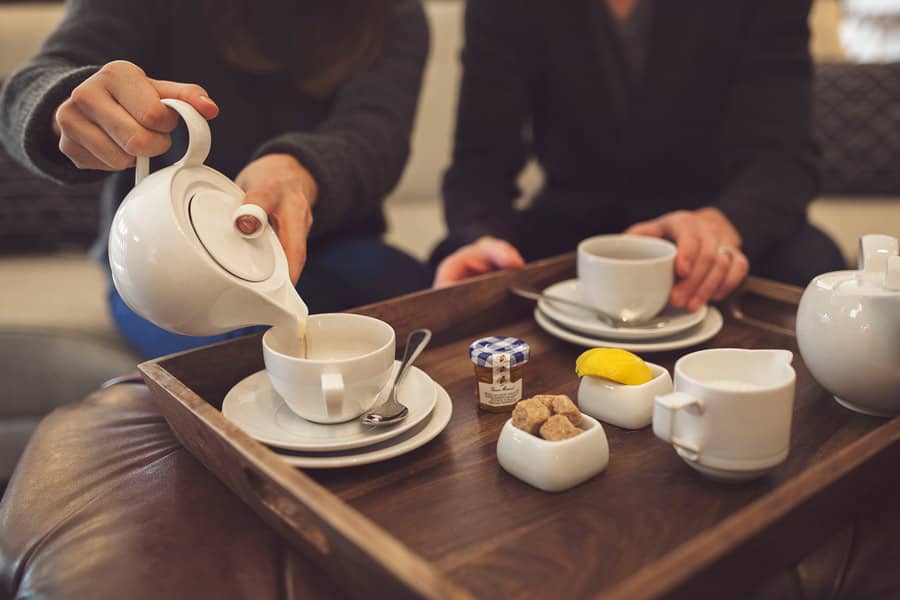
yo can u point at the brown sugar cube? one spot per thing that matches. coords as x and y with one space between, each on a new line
557 428
528 415
547 399
563 405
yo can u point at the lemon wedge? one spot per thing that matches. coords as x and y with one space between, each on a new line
616 365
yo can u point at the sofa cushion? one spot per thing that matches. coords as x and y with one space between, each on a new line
38 215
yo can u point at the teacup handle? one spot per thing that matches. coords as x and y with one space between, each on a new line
199 139
666 408
332 393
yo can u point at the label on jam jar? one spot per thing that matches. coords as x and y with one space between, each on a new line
501 391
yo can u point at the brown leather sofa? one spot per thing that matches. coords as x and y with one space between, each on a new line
106 503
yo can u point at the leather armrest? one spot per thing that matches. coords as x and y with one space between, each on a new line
106 503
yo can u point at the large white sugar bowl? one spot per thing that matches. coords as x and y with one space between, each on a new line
848 330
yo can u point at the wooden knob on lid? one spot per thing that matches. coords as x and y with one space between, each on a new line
250 220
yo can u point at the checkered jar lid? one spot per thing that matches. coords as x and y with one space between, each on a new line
482 351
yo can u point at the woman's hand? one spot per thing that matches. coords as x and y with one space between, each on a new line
709 261
483 256
116 115
287 192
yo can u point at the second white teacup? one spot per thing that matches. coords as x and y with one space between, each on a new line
349 360
730 414
627 276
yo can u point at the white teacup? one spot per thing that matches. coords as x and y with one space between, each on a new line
349 360
627 276
730 414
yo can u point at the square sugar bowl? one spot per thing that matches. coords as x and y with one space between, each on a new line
553 466
626 406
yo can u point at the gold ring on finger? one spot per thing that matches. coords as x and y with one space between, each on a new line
726 250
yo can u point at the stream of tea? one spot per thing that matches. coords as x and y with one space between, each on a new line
301 328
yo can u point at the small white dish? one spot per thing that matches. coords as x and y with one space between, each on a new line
710 326
255 406
406 442
553 466
585 322
627 406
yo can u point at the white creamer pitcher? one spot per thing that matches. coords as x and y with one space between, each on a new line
178 259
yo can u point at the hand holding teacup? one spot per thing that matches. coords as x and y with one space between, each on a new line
709 261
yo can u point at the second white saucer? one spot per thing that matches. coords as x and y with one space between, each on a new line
254 406
585 322
710 326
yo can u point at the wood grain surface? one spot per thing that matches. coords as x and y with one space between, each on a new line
647 527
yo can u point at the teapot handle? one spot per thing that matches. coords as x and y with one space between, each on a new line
199 139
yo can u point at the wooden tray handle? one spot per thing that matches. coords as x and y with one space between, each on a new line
770 290
278 502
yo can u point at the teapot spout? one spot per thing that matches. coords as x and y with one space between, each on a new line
287 313
287 308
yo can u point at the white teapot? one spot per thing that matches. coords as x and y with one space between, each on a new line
178 259
848 329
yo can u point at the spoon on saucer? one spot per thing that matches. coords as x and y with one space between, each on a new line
393 411
614 322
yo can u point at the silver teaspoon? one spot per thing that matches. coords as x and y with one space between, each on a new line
393 411
614 322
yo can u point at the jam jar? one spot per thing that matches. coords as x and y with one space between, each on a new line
500 364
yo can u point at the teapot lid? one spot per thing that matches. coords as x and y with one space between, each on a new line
211 213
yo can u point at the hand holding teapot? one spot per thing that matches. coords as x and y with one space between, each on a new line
286 192
115 115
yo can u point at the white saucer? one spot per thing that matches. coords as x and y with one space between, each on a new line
254 406
585 322
725 475
407 442
697 334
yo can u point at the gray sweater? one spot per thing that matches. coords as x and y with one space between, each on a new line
355 143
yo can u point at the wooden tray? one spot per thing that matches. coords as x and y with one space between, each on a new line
445 521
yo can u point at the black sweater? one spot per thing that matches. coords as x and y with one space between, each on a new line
720 117
355 143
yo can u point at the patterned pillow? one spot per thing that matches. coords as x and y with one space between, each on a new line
39 216
856 118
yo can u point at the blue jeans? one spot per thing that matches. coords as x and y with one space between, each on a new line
337 276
